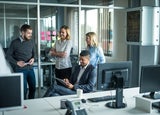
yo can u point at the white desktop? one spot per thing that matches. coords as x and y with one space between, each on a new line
51 105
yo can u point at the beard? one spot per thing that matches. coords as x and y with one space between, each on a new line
27 38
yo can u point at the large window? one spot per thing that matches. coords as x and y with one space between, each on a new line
89 22
100 22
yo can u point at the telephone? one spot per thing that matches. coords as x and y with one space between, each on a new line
75 107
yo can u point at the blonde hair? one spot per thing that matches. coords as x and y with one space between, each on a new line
93 37
68 37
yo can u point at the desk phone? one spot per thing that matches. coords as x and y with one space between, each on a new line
75 107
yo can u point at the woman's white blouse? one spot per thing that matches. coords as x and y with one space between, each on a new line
61 46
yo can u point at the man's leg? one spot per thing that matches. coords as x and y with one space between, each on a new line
63 90
51 92
48 92
31 84
24 81
25 84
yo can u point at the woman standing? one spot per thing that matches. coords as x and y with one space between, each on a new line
61 50
97 55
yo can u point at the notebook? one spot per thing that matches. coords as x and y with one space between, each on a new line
61 81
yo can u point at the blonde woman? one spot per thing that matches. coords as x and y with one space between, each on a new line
61 50
97 55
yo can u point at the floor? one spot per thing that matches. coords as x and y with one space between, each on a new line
43 90
46 84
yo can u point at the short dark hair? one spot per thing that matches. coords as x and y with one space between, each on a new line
85 53
25 27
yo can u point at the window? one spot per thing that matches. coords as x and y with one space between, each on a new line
100 22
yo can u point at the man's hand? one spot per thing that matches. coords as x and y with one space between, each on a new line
68 84
21 63
31 61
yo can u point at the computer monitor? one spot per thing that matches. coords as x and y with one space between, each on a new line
11 91
150 81
114 76
107 71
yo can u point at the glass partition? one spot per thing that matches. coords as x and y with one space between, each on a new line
2 40
14 10
81 17
32 11
1 11
13 27
19 0
52 18
13 17
97 2
60 1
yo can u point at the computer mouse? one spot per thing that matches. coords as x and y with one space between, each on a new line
83 100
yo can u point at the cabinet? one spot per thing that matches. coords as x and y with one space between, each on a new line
142 26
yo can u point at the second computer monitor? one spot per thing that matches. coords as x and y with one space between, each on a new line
108 73
11 91
150 81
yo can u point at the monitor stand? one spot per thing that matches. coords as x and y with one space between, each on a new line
152 95
118 81
119 100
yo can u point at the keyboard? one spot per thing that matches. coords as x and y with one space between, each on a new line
103 98
156 105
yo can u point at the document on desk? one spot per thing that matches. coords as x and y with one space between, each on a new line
61 81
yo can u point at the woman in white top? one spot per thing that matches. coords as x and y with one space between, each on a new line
61 50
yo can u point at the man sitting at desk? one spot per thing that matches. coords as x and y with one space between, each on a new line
83 77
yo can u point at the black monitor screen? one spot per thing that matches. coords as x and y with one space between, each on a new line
150 79
11 88
107 72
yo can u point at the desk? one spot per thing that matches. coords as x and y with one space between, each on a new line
51 105
99 108
34 107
